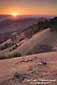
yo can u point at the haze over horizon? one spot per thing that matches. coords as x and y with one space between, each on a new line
28 7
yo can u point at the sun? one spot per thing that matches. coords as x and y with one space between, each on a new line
14 14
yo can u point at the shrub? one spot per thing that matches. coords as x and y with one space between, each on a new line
10 56
7 45
53 24
14 55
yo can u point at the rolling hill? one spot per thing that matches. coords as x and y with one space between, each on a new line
38 39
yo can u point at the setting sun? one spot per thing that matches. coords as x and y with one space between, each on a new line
14 14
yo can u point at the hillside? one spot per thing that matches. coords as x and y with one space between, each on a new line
29 46
9 25
38 38
28 55
23 70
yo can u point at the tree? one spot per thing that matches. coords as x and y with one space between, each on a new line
53 24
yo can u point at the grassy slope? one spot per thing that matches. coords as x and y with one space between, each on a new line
30 65
43 37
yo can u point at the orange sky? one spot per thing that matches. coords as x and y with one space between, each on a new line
29 11
31 7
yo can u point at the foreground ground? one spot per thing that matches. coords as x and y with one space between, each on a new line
29 70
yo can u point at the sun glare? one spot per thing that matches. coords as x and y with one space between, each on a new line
14 14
